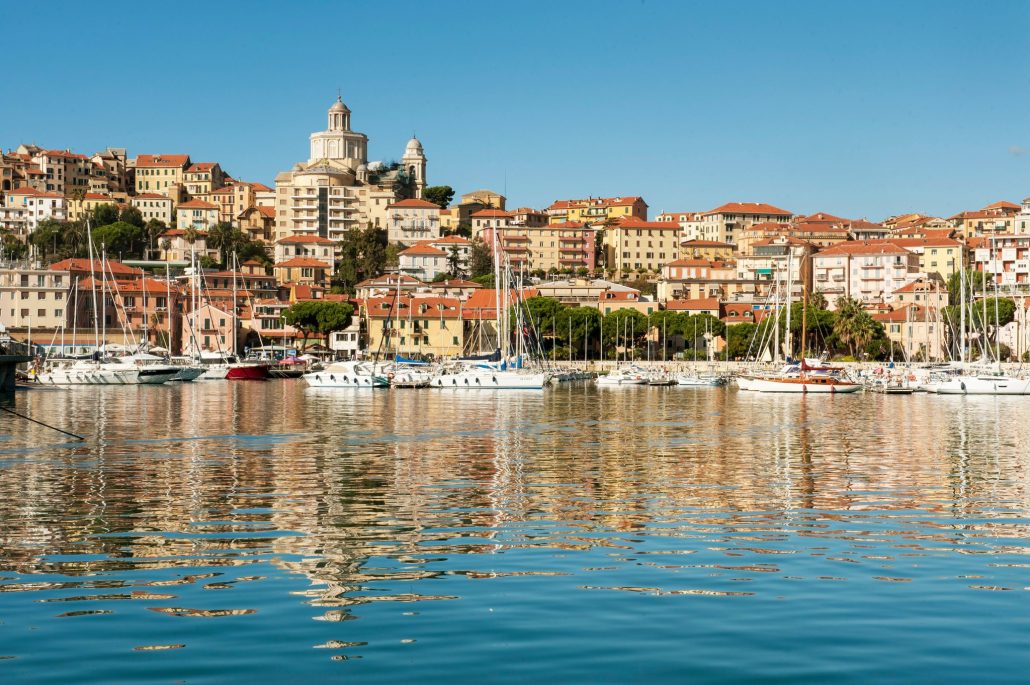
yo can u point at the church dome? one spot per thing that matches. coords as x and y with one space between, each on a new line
414 147
338 106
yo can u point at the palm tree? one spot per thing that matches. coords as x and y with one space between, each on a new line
848 325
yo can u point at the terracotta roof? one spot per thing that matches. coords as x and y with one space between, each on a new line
922 285
919 242
302 262
484 298
173 232
912 312
200 166
862 247
597 202
618 296
197 204
713 264
67 154
26 190
423 250
634 222
304 239
161 160
492 214
420 204
822 217
110 267
389 280
748 208
704 243
97 196
451 240
151 196
421 306
735 312
265 210
781 240
1002 204
703 304
260 187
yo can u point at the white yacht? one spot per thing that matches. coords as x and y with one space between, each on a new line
624 375
347 374
490 376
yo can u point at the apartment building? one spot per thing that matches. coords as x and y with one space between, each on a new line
1004 258
196 214
595 210
203 178
727 222
415 325
312 246
35 297
637 246
154 206
868 271
411 221
994 219
27 207
164 174
552 248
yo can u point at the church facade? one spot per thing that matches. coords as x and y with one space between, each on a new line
337 189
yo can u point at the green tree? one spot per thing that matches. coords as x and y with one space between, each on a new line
11 247
624 328
481 259
254 249
227 239
322 318
364 254
104 214
454 263
127 241
438 195
131 215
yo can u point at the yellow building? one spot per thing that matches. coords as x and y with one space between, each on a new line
705 249
303 270
941 256
597 209
163 174
232 200
636 246
202 178
413 325
554 248
78 208
155 206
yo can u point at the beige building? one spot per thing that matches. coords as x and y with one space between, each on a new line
175 247
197 214
926 291
918 330
868 271
66 172
257 221
34 297
692 279
305 270
553 248
154 206
79 207
412 221
705 249
726 223
581 292
162 174
233 199
994 219
337 189
312 246
941 256
637 246
526 216
596 210
415 325
202 178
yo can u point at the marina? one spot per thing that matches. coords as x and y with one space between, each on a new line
264 529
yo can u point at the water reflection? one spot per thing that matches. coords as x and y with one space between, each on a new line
267 505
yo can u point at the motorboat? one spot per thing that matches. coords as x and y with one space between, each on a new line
624 375
347 374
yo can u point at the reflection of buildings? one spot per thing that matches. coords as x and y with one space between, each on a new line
408 476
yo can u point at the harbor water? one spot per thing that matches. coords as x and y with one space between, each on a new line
265 532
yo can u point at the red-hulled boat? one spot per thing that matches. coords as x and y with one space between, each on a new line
247 371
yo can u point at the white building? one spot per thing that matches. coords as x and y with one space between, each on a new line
26 208
1005 258
313 246
154 206
197 214
337 189
412 221
423 261
861 270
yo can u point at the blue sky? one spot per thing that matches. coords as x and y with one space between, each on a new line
861 109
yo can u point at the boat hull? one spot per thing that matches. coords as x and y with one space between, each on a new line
500 380
330 379
247 372
798 386
984 385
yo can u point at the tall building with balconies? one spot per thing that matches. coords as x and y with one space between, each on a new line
337 189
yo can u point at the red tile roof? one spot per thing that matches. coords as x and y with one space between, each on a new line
197 204
84 265
161 160
423 250
634 222
492 214
304 239
151 196
200 166
703 304
863 247
912 312
749 208
26 190
422 306
419 204
704 243
302 262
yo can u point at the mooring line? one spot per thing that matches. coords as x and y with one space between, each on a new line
47 425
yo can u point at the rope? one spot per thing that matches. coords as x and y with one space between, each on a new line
11 411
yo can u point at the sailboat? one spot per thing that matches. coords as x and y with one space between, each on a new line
802 378
986 378
508 371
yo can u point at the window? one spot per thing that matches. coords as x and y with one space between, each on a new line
41 313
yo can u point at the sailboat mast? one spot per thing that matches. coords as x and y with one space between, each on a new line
962 316
93 278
